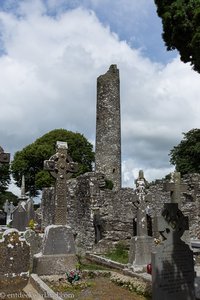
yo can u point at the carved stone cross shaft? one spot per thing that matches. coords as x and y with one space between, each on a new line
61 167
175 187
140 203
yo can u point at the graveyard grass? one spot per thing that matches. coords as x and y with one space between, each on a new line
94 285
96 282
119 253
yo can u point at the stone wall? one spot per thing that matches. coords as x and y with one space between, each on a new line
190 201
95 212
92 208
100 217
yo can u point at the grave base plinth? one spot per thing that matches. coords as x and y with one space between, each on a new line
141 256
58 252
53 264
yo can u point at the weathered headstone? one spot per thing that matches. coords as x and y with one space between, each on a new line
172 263
58 251
20 220
24 212
35 241
14 262
141 244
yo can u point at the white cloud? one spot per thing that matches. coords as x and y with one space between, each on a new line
130 171
48 80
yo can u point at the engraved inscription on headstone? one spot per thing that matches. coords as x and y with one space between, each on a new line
172 262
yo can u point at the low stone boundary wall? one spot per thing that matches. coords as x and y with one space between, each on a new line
105 261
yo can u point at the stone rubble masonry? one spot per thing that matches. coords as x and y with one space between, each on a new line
190 201
108 127
88 196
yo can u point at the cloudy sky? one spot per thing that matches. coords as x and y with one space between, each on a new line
52 51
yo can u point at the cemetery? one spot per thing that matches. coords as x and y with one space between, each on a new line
82 222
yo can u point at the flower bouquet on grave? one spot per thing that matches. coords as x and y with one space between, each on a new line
73 276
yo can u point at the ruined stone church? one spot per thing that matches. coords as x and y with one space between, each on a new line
99 210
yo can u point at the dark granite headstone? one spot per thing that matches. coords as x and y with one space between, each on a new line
172 263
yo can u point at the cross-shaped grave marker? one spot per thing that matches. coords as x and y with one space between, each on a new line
8 209
61 167
172 261
142 197
175 187
140 248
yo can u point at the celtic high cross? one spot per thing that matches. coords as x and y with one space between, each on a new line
61 167
141 204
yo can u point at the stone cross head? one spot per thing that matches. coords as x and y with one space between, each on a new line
175 187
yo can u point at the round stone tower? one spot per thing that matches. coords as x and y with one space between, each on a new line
108 127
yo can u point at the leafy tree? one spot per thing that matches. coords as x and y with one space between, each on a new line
29 161
181 28
186 155
4 177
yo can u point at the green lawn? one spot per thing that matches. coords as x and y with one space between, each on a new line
119 254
